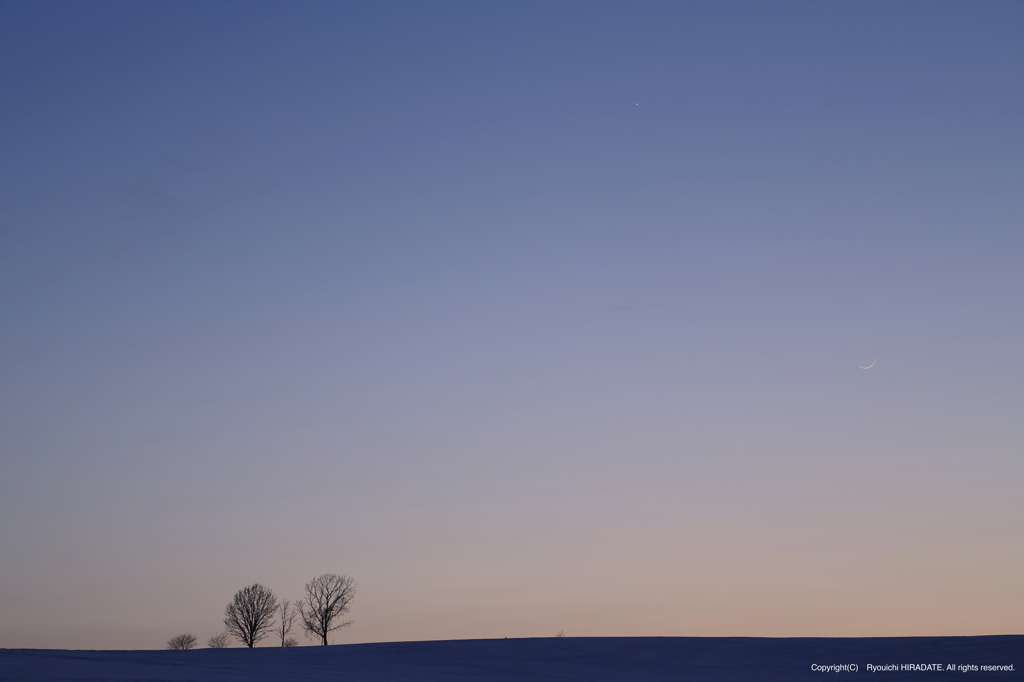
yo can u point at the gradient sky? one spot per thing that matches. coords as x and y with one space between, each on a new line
529 316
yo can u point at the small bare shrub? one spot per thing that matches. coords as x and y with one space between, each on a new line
291 641
182 642
220 641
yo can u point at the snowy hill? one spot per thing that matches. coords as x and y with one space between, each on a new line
504 660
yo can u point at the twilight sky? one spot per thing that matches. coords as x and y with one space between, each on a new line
529 316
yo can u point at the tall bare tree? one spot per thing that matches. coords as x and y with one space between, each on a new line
288 613
250 616
182 642
327 599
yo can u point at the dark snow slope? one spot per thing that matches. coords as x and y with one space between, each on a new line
635 659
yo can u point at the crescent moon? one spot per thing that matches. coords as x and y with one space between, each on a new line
869 366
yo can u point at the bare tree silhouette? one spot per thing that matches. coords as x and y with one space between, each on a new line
288 613
327 598
250 616
219 641
182 642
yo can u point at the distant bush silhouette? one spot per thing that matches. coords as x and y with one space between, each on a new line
561 633
291 641
250 615
182 642
288 614
327 598
220 641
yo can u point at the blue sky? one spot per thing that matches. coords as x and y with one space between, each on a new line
489 305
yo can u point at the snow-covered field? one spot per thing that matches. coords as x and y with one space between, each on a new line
569 658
